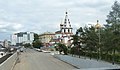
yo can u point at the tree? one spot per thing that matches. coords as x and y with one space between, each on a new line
37 43
75 40
62 47
27 45
80 34
91 40
86 39
114 15
114 19
83 40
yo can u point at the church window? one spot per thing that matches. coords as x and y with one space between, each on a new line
68 30
64 30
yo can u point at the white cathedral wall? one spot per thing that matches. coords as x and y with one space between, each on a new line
62 30
66 39
66 30
58 35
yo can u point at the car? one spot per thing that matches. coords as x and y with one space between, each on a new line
21 49
46 51
2 54
39 50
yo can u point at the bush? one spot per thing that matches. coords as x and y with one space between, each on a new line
62 47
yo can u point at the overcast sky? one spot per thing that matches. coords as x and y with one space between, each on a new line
46 15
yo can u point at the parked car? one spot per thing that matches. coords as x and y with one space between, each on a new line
21 49
39 50
2 54
46 51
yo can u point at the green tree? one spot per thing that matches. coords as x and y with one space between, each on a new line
27 45
91 40
62 47
75 40
79 34
37 43
83 40
113 19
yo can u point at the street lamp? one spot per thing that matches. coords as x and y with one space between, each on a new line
98 26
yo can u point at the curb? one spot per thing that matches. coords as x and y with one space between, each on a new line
65 61
84 66
14 63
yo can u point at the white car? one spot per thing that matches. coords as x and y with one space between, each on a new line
39 50
46 51
2 54
21 49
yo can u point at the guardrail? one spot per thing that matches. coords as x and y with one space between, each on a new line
9 63
3 58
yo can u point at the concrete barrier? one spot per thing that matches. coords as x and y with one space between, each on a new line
9 63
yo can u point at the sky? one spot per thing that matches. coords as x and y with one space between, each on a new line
45 15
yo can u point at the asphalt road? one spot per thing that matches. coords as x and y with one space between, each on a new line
33 60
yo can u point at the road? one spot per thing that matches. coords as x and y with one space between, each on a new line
33 60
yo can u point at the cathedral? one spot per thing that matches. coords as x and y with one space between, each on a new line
65 32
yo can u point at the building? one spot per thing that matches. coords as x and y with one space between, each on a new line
22 38
65 32
46 37
6 43
1 43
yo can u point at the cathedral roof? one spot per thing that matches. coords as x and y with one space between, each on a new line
47 33
67 21
58 32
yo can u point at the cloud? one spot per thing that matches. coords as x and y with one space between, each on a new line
17 26
46 15
10 26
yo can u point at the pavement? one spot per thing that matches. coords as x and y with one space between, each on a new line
33 60
86 64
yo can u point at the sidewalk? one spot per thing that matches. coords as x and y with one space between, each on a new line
82 63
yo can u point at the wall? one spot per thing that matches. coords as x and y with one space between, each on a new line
9 63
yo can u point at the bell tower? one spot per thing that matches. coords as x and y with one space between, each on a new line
66 26
64 35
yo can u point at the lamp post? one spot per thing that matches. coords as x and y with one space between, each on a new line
98 26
